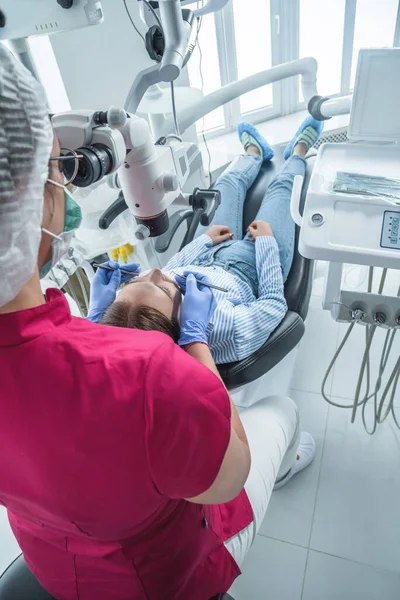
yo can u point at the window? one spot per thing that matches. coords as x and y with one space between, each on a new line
249 36
253 49
322 41
204 71
45 66
233 44
374 27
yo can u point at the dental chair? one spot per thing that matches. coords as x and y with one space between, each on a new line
297 287
18 583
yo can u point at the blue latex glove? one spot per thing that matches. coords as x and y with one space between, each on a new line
104 287
197 310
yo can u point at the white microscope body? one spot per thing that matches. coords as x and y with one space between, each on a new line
119 146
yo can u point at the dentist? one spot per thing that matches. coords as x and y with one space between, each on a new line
122 458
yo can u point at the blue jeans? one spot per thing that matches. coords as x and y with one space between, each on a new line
238 255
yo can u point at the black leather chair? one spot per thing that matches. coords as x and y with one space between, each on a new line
18 583
297 289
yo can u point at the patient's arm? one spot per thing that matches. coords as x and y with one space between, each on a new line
255 321
187 255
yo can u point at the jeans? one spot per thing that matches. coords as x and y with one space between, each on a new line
238 256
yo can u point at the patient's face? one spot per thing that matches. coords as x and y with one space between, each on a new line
155 290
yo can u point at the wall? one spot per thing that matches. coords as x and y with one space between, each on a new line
98 64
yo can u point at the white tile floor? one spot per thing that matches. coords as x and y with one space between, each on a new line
334 531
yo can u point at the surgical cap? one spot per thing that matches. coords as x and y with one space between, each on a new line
26 140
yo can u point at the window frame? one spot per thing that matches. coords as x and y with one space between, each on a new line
285 46
226 39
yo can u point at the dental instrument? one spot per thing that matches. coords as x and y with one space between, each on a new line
210 285
123 271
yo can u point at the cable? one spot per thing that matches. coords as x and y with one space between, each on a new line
365 374
172 136
202 89
132 21
331 365
149 6
172 83
174 109
394 377
382 283
392 400
192 47
364 361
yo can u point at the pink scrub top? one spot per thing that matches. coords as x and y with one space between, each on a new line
103 432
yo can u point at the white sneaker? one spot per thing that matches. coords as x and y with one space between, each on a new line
305 456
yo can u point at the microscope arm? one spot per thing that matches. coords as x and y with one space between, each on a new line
139 87
177 33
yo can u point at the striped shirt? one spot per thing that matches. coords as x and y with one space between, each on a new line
242 322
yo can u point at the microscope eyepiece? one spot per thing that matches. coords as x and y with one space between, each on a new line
96 163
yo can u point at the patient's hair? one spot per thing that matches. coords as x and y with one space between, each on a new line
122 314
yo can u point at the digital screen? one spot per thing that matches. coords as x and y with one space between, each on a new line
391 230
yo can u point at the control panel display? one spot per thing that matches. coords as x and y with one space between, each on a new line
391 230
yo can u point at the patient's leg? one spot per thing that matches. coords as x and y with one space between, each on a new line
275 207
237 179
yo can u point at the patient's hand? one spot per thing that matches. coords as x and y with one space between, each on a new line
219 233
259 228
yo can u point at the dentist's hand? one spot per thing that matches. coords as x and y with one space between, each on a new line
104 288
197 310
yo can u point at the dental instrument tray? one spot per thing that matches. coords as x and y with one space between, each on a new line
352 207
367 185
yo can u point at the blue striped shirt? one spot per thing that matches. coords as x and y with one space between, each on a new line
242 322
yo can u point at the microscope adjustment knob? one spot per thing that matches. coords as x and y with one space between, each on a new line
142 232
116 117
169 182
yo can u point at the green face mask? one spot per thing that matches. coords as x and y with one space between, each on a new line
61 243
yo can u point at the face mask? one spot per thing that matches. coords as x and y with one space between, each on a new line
62 242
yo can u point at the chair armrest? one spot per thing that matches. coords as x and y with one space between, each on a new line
285 337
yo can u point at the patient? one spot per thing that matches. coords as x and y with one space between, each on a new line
252 269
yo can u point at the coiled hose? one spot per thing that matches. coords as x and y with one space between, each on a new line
380 412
